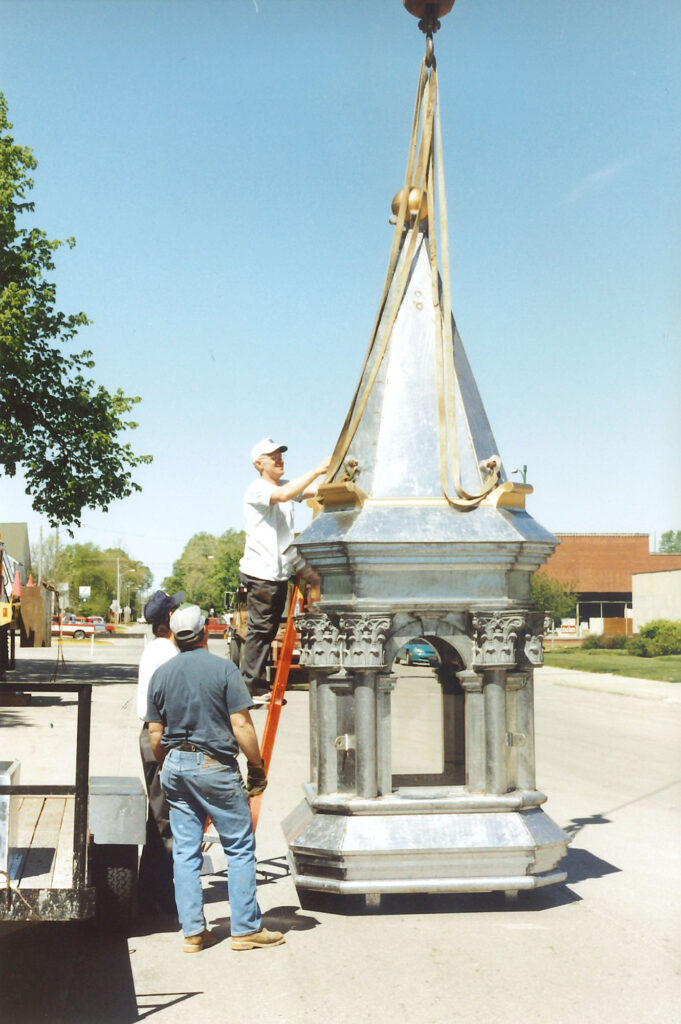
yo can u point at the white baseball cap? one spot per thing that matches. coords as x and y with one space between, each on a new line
186 623
266 447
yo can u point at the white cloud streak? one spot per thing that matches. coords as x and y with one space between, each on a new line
599 179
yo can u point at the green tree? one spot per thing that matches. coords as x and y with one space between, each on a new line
207 568
553 597
55 422
105 572
670 542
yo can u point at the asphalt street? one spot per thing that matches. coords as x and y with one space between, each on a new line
604 947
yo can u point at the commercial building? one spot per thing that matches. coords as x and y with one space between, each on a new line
656 595
600 568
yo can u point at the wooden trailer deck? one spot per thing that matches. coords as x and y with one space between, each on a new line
43 856
41 865
45 828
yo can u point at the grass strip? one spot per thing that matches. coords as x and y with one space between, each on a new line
666 669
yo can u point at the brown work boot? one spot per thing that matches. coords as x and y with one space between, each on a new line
195 943
258 940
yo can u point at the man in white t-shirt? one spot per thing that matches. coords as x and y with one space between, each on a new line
268 561
156 891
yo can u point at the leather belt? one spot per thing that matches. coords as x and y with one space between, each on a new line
197 750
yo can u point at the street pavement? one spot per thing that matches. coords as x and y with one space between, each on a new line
604 947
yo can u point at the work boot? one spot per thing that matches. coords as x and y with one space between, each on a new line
195 943
258 940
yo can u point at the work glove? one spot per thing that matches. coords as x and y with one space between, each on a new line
256 780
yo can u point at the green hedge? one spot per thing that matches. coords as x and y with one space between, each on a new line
656 638
601 642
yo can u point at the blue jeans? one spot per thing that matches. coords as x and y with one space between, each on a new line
197 787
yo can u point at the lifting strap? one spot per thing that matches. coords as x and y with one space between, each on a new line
425 171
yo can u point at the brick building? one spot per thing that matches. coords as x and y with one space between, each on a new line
599 567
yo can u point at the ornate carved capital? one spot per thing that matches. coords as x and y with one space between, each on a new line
506 639
533 648
363 640
347 641
320 641
495 636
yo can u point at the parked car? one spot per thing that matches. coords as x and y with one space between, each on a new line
217 626
417 652
78 628
108 626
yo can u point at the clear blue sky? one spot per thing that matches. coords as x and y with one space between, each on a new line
227 170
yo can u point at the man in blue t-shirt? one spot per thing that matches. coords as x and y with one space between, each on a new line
198 714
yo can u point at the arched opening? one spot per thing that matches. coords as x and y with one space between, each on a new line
427 715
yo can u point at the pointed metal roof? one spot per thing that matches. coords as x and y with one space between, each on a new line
397 440
416 461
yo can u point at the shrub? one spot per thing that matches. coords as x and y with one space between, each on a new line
639 647
613 643
601 642
656 638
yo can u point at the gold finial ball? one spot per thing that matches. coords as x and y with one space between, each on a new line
417 203
422 8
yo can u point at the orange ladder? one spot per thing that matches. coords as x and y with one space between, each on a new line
277 698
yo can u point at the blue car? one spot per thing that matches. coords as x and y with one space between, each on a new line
417 652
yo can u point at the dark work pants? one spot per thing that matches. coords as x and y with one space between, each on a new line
265 601
156 891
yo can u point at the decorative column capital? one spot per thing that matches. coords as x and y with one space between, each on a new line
495 637
363 640
319 641
349 641
533 647
505 639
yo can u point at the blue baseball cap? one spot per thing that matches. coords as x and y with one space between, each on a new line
160 605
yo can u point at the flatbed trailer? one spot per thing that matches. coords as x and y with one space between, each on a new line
69 852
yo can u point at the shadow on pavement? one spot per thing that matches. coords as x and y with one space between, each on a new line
407 904
65 972
33 672
577 824
30 671
282 919
581 864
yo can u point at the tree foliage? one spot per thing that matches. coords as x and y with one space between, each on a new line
553 597
55 422
207 568
670 542
85 565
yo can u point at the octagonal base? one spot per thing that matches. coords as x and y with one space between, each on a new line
383 850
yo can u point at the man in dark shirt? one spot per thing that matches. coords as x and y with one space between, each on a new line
198 714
